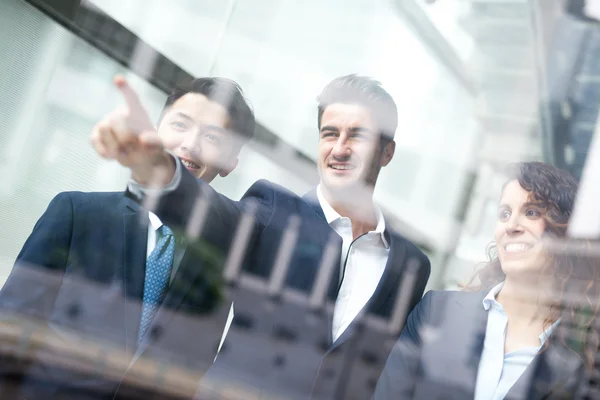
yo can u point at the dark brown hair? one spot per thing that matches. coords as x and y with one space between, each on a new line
225 92
577 298
366 92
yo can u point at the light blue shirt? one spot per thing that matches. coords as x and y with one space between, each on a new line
497 371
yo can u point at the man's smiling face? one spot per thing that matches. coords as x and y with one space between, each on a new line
195 129
349 153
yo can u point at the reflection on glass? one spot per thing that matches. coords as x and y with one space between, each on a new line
297 290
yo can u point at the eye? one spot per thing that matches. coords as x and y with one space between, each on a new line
532 213
212 138
328 134
361 134
503 215
177 125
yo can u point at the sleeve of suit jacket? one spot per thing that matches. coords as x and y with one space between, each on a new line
178 208
39 268
402 367
423 272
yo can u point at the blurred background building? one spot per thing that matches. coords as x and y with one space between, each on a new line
478 83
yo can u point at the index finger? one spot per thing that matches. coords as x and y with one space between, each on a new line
131 98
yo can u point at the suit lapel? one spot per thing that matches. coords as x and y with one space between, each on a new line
198 277
392 275
461 322
548 374
312 200
472 332
322 233
135 225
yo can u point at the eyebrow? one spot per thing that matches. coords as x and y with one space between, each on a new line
184 116
528 204
360 129
329 128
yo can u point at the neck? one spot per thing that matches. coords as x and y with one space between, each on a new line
358 206
526 299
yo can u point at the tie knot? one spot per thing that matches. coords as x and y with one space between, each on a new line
165 231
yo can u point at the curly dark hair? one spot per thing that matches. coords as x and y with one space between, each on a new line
576 301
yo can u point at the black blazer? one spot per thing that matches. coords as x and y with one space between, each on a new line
83 268
438 354
275 207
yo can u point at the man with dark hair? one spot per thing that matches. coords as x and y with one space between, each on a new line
101 266
205 123
291 236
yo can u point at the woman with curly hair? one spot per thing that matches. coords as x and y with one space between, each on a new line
524 327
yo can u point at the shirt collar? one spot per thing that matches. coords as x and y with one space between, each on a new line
546 334
491 296
155 222
331 215
490 300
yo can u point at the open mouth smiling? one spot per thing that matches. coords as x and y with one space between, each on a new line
342 167
517 247
189 164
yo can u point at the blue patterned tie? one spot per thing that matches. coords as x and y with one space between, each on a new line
158 270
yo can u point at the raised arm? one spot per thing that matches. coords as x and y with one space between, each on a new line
128 136
159 180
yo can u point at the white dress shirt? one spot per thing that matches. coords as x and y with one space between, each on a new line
155 224
364 258
497 371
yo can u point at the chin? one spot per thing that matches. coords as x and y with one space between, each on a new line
338 186
523 268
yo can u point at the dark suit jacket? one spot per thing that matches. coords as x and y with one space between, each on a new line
438 354
275 207
83 268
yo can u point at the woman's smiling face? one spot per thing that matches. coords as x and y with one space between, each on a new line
519 231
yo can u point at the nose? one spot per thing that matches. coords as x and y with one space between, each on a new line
513 225
341 150
191 144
